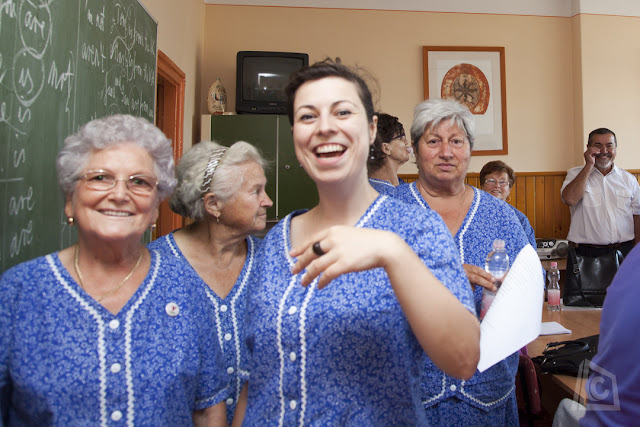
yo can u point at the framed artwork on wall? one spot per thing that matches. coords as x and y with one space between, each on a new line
474 76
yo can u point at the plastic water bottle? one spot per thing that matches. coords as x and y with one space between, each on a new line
497 264
553 289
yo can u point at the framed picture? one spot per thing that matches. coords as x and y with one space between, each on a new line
473 76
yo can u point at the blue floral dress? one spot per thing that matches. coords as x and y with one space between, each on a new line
66 360
382 186
526 226
228 311
343 355
488 398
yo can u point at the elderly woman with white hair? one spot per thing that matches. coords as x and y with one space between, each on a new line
223 190
106 330
442 134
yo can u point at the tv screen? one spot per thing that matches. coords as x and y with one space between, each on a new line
261 79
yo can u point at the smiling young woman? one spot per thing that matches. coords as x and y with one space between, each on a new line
353 352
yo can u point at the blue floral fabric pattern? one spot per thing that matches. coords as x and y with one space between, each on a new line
382 186
228 311
526 226
66 360
345 354
488 398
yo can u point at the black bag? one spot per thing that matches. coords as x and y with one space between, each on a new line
565 357
587 278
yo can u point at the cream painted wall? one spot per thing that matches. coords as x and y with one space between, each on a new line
180 35
610 48
389 45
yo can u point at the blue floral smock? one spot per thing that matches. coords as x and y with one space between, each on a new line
382 186
343 355
66 360
488 398
228 311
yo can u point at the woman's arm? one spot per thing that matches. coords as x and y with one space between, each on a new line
213 416
446 330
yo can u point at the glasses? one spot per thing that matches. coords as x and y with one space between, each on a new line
101 180
402 137
501 183
436 143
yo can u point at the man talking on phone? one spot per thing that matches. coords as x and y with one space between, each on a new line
604 200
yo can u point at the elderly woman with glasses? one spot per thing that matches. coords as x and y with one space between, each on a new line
389 151
223 190
106 331
442 134
497 179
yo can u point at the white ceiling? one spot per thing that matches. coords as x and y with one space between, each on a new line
564 8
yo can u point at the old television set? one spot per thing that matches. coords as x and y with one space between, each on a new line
261 78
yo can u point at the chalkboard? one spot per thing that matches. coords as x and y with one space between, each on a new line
62 64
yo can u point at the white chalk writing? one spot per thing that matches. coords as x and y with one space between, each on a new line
21 203
20 239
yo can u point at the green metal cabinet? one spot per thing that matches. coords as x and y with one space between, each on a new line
287 183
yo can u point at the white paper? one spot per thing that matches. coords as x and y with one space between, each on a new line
515 316
553 328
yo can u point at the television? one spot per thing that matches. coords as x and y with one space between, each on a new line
261 78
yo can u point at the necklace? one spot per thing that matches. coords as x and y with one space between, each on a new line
461 204
112 291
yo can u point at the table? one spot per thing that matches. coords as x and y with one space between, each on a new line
582 324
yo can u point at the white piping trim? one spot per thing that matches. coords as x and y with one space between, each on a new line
479 402
469 219
303 348
170 241
102 351
292 283
216 310
250 257
372 210
439 395
127 339
382 182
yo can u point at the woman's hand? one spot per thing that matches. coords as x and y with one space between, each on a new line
346 249
478 276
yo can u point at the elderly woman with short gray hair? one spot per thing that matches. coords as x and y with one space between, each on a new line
106 330
223 190
442 134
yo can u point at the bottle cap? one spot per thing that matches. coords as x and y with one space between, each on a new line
554 264
498 244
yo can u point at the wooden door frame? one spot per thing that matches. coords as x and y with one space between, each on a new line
170 81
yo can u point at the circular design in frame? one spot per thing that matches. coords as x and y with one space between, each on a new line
468 85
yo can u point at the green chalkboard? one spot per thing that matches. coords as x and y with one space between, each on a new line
62 64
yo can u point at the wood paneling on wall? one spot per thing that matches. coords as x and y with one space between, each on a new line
537 195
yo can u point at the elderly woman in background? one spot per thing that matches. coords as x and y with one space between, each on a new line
389 151
442 135
223 190
107 330
497 179
351 353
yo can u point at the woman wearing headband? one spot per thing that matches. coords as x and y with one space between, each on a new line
222 190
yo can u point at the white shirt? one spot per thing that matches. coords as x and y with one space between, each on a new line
604 215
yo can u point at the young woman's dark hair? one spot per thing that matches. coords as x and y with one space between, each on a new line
389 127
328 68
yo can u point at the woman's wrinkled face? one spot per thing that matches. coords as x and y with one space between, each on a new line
117 213
246 210
443 154
498 184
331 132
399 149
